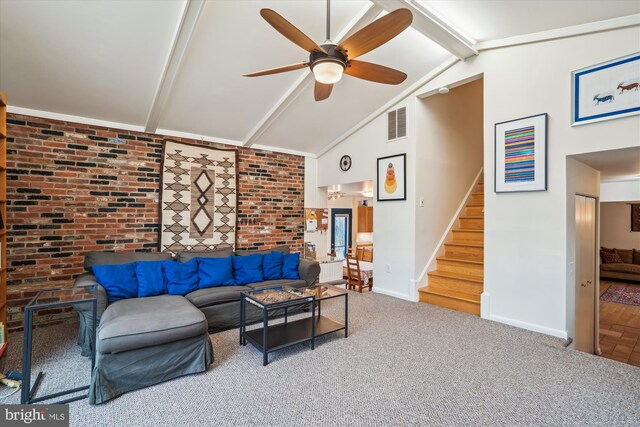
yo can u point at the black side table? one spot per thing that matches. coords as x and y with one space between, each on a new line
50 298
272 338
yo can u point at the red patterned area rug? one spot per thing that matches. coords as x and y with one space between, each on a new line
629 295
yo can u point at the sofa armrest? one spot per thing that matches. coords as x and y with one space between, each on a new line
309 271
85 311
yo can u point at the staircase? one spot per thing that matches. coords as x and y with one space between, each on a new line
458 280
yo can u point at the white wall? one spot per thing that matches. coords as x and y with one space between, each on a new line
393 220
314 197
449 155
615 226
525 233
620 190
583 180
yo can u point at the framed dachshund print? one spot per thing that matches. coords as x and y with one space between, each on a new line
606 91
521 155
392 178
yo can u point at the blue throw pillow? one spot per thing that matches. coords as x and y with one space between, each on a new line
181 277
272 265
151 281
214 272
247 269
290 266
118 280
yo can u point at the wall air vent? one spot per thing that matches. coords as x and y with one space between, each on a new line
397 124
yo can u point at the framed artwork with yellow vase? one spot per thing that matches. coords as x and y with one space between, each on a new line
392 178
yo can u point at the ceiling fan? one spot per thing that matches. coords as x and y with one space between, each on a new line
329 61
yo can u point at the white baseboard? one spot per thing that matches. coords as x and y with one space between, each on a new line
393 294
529 326
485 303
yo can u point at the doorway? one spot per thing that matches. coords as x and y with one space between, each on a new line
341 223
616 297
585 286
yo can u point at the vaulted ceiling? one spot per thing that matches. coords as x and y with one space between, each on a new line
175 66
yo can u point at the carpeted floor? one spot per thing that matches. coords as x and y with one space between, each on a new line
403 364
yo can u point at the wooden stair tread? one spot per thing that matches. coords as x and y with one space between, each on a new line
475 205
471 217
466 243
446 258
469 230
443 293
455 276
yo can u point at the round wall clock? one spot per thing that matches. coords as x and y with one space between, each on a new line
345 163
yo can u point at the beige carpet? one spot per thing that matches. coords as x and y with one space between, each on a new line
403 364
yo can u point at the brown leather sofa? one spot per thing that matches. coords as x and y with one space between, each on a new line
627 269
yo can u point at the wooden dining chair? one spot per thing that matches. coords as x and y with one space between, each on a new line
354 277
367 255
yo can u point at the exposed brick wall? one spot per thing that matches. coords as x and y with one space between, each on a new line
73 188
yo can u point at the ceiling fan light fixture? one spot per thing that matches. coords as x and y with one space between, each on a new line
328 72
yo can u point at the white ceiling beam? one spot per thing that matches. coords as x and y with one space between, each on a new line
434 27
188 21
561 33
364 17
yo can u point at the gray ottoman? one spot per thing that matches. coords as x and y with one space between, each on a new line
146 341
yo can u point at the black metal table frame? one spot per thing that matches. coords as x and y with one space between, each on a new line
28 392
286 305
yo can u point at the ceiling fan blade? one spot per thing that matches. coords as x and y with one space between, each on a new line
374 72
290 31
277 70
322 91
377 33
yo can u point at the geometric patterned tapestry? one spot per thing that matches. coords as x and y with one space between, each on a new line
197 198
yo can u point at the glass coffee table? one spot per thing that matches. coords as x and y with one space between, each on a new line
51 298
270 338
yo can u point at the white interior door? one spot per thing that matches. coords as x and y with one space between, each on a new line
585 286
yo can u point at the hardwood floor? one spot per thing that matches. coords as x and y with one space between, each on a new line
619 328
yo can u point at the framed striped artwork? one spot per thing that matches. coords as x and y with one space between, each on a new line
521 155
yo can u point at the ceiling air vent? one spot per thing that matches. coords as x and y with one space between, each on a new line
397 124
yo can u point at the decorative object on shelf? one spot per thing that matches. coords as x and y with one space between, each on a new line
392 178
521 155
198 200
345 163
364 203
606 91
635 217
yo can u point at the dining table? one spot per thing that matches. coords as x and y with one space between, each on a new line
366 270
